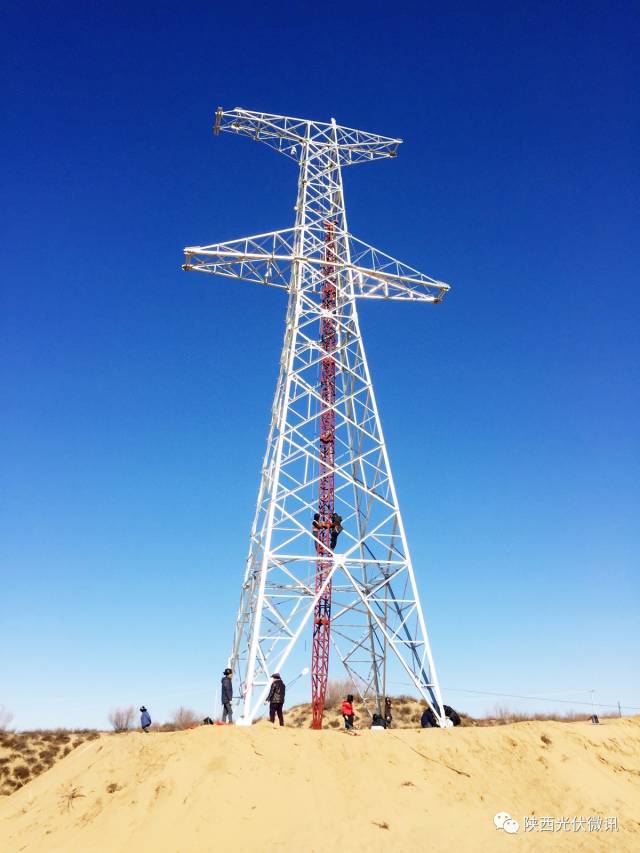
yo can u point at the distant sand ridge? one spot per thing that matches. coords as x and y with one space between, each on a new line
268 789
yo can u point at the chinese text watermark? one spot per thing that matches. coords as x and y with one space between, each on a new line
532 823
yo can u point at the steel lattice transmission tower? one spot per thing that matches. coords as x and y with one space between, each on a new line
325 451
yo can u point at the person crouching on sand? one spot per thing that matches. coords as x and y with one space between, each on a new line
276 698
347 712
145 720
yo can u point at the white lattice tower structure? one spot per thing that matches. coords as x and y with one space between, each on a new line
325 438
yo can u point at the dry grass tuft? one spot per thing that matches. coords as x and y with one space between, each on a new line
68 795
48 755
21 772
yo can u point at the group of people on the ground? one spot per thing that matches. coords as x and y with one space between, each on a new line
377 720
275 697
430 721
275 700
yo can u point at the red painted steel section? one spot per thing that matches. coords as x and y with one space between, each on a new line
322 613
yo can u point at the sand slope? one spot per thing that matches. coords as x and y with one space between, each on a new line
264 789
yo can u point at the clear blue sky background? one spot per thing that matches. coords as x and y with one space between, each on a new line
136 398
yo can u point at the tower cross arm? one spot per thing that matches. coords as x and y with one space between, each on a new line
290 135
377 275
268 258
283 133
261 259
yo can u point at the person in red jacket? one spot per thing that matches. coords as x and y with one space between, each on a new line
347 711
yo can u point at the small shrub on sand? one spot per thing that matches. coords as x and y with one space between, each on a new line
121 719
61 737
9 740
48 756
336 691
21 772
185 718
5 718
68 795
503 715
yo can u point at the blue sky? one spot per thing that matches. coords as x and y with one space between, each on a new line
136 398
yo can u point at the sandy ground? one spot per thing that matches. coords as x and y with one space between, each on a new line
269 789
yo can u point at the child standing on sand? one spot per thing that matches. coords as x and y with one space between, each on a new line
347 712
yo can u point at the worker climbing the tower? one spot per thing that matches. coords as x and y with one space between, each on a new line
336 529
317 526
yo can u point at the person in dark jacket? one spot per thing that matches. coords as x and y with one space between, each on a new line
145 720
388 716
276 698
317 527
430 721
336 529
377 722
227 697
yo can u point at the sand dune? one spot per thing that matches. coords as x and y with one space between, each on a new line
264 789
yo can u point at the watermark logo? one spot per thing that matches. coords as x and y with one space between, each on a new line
532 823
505 822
